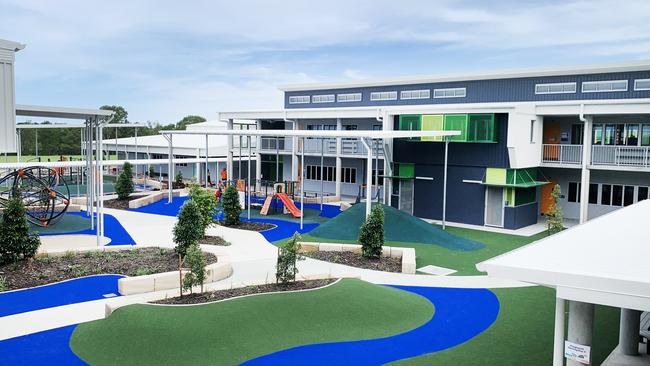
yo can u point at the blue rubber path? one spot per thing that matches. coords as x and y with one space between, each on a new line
112 229
460 314
58 294
51 347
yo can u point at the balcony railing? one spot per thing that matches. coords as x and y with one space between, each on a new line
562 154
348 147
634 156
273 144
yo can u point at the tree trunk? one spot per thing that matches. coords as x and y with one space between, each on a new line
180 273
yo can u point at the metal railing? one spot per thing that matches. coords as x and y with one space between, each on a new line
635 156
273 144
561 154
348 147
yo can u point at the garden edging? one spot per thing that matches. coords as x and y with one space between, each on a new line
406 254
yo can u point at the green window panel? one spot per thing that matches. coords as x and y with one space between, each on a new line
482 128
410 122
509 196
433 122
456 122
406 170
495 176
521 176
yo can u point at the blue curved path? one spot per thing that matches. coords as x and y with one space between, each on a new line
460 314
58 294
51 347
112 229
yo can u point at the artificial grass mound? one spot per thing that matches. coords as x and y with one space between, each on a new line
233 331
68 223
398 226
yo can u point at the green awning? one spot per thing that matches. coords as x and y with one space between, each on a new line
516 185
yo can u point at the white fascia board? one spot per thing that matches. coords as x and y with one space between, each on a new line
594 107
618 300
11 45
60 112
72 164
307 113
319 133
486 75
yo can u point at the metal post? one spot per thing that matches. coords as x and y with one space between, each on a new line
368 175
302 182
206 163
101 182
558 343
170 168
322 147
116 157
36 142
277 159
239 169
248 176
444 187
98 198
20 143
136 152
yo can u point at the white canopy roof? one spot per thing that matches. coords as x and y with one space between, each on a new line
60 112
603 261
374 134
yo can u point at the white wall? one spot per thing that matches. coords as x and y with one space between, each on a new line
522 152
7 102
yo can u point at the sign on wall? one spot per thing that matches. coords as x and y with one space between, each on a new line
577 352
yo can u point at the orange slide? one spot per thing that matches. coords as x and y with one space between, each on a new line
288 203
265 207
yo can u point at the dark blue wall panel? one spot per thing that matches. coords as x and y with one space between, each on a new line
484 91
520 216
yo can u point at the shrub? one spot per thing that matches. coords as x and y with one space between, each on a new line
3 284
15 241
143 271
555 216
206 203
288 255
186 234
195 261
151 172
178 180
124 183
231 207
371 236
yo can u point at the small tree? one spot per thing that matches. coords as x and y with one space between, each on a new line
555 216
178 180
15 241
231 207
288 255
124 184
195 261
152 172
186 234
206 202
371 236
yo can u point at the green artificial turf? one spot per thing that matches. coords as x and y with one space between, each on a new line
230 332
522 334
66 224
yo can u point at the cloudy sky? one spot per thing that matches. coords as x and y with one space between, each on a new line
162 60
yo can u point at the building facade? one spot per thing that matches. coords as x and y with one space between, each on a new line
521 132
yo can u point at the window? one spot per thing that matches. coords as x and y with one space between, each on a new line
597 135
632 135
555 88
351 97
450 93
604 86
299 99
313 173
377 96
532 130
577 134
642 194
628 196
327 98
380 173
574 192
617 195
158 156
321 127
645 135
415 94
606 194
593 193
614 134
349 175
642 84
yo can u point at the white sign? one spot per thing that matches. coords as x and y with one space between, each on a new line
577 352
242 199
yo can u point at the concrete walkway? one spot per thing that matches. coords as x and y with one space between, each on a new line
253 259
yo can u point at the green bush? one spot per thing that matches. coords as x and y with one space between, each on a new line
371 236
3 284
178 180
124 183
555 216
195 262
206 202
152 172
15 241
186 234
231 207
288 255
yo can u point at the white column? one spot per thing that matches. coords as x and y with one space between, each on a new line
302 183
586 173
229 162
558 342
197 167
628 339
206 163
294 154
339 161
581 326
170 168
444 187
368 145
258 159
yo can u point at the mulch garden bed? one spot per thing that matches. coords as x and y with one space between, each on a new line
49 269
211 296
249 225
120 204
385 264
214 240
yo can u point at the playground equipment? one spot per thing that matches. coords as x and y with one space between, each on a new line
44 193
278 192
